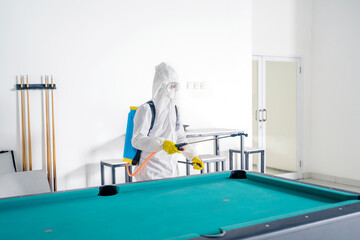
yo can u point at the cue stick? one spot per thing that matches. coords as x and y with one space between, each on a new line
53 133
29 132
23 125
47 131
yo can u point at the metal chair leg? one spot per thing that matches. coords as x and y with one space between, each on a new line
242 163
113 174
102 173
262 161
126 176
188 168
246 161
130 170
231 160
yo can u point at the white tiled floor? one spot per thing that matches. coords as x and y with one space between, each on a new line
272 171
332 184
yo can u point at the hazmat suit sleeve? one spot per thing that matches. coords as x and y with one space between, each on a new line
189 151
140 139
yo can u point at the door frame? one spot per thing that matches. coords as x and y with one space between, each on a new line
262 59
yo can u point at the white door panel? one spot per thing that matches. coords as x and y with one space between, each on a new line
277 112
281 115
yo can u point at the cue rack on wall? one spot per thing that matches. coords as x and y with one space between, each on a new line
49 86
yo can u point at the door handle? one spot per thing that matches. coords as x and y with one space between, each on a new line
260 116
265 114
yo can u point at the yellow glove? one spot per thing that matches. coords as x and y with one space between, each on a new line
196 161
170 147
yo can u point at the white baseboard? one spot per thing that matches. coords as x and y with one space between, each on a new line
333 179
306 175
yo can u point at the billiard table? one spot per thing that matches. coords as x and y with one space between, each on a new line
225 205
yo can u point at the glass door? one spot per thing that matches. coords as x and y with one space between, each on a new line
277 115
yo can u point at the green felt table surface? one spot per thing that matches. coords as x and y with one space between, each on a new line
178 208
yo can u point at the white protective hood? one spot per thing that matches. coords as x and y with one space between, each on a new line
164 74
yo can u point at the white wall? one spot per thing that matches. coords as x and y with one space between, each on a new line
326 34
335 112
102 55
283 28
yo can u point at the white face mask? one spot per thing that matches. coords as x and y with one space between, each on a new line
171 89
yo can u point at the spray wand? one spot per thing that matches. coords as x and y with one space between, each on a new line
180 146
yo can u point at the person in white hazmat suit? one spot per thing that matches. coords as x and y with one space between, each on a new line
167 130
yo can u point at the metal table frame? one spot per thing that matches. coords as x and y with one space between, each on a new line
217 132
247 152
192 133
113 166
